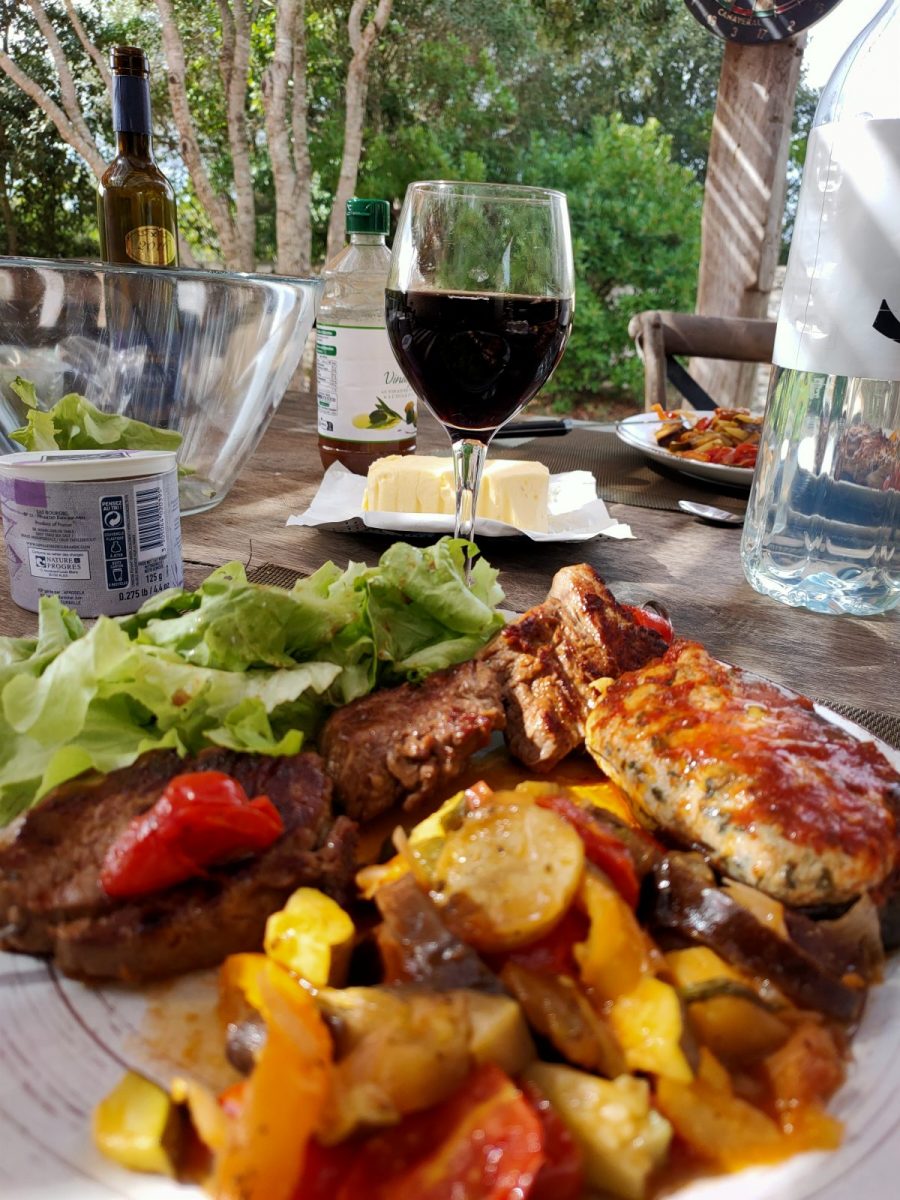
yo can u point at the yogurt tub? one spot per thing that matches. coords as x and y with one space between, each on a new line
98 528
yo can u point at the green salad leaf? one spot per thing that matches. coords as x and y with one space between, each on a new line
234 663
73 423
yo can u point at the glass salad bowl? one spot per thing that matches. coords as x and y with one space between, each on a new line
206 354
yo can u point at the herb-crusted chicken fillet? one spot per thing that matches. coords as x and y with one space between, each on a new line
778 797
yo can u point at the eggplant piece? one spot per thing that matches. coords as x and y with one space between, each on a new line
417 947
850 942
243 1042
668 431
557 1008
396 1051
687 901
644 850
889 919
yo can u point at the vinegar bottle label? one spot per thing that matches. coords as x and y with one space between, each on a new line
840 312
362 394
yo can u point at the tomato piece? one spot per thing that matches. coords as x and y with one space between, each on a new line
202 819
552 954
484 1143
744 455
601 848
649 618
562 1175
325 1170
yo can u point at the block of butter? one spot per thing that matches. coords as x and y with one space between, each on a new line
512 491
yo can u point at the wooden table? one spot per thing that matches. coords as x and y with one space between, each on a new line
692 568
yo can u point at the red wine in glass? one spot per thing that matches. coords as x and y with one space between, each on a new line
478 306
477 358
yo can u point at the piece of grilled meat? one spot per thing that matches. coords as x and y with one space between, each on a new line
409 742
777 797
51 900
548 660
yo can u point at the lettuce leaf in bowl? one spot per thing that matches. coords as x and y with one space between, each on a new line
73 423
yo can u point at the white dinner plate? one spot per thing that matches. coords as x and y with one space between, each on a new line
639 431
64 1046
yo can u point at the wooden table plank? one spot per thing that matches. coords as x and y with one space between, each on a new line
693 569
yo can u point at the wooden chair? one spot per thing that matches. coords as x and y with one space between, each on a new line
660 336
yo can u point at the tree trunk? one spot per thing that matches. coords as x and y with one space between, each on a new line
362 42
743 206
217 207
300 137
278 132
235 64
9 218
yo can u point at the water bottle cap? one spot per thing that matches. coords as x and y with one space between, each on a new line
368 216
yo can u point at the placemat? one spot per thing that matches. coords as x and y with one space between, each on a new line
623 474
883 725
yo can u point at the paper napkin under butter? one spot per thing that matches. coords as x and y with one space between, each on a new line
576 513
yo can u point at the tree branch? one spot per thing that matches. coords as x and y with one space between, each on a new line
216 206
95 55
362 42
67 131
67 89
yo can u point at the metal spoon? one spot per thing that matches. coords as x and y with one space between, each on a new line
708 512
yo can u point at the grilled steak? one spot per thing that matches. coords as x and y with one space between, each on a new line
408 742
548 660
51 900
778 797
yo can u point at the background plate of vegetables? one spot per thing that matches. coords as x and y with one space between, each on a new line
493 1021
719 447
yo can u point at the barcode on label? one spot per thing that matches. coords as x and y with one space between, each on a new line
151 527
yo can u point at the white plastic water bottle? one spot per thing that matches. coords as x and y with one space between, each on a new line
823 522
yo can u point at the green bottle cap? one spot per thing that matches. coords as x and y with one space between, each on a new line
368 216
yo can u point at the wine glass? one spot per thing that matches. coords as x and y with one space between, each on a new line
479 305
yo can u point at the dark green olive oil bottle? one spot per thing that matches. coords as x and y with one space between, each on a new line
135 202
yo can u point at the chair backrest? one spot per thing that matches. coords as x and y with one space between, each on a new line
659 336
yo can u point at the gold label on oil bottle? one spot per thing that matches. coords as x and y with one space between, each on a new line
150 245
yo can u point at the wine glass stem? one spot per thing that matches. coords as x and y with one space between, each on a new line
468 461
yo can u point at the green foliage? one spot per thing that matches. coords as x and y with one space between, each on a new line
506 90
48 206
635 218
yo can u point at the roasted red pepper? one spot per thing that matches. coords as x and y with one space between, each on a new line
202 819
552 954
603 849
743 455
649 618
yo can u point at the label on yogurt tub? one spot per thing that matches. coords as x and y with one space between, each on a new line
100 545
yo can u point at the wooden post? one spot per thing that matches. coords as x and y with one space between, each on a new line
743 205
